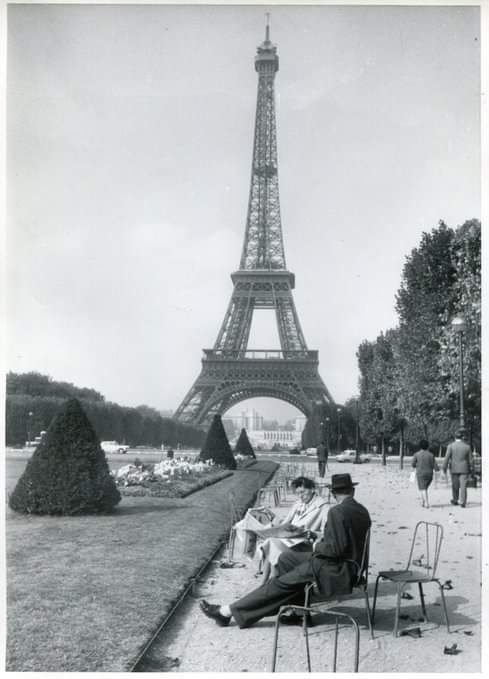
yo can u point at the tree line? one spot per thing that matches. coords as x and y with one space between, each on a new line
409 375
34 399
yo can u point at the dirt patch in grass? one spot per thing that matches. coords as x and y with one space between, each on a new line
85 593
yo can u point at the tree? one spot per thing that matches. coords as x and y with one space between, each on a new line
216 446
424 301
466 292
409 375
34 399
243 445
67 473
35 384
378 388
321 425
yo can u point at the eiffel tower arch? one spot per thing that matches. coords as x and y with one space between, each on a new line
230 372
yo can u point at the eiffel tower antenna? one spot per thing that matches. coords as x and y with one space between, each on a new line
230 373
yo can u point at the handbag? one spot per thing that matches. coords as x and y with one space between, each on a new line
412 476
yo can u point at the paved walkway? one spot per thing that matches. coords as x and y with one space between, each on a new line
192 643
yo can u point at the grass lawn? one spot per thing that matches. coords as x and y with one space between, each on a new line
85 593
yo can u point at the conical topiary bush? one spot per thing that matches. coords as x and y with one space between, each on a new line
68 472
243 445
216 446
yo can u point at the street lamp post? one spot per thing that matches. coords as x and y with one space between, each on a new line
323 424
338 443
29 427
357 435
458 325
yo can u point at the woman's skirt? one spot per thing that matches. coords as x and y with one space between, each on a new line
424 480
272 548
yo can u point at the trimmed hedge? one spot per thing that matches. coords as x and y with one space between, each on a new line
243 445
67 473
216 446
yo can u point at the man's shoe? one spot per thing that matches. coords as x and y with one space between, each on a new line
212 611
462 504
296 619
453 502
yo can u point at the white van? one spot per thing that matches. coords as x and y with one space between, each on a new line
114 447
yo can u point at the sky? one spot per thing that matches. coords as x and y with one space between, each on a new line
129 146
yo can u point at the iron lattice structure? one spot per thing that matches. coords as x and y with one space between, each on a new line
230 373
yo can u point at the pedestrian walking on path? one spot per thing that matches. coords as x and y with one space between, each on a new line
343 539
459 460
322 455
424 462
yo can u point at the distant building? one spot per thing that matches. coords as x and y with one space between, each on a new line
260 433
266 439
249 420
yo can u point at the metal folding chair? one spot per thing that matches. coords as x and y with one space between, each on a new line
314 603
267 495
234 516
428 538
324 491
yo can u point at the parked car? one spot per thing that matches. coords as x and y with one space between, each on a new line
114 447
350 456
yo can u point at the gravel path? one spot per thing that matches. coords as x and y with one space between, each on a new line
192 643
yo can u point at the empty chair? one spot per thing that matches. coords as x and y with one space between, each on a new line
324 491
269 494
421 568
234 515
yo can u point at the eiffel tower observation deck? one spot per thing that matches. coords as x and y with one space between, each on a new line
230 372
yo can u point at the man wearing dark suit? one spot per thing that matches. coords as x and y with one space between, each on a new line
322 455
459 459
343 538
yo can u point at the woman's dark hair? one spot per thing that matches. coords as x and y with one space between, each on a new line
303 482
423 444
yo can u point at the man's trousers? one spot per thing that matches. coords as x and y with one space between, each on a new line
295 571
459 486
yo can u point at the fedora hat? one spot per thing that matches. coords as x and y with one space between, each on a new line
341 482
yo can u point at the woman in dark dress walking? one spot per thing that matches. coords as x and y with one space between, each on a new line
424 462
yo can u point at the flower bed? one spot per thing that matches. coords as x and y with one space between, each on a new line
243 461
168 478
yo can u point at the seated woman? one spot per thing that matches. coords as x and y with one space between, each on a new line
307 516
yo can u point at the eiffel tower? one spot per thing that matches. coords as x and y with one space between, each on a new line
230 373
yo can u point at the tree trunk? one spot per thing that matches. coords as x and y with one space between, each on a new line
401 449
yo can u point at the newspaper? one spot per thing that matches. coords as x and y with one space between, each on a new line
258 522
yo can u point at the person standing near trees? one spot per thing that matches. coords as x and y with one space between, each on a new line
322 455
459 460
424 462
